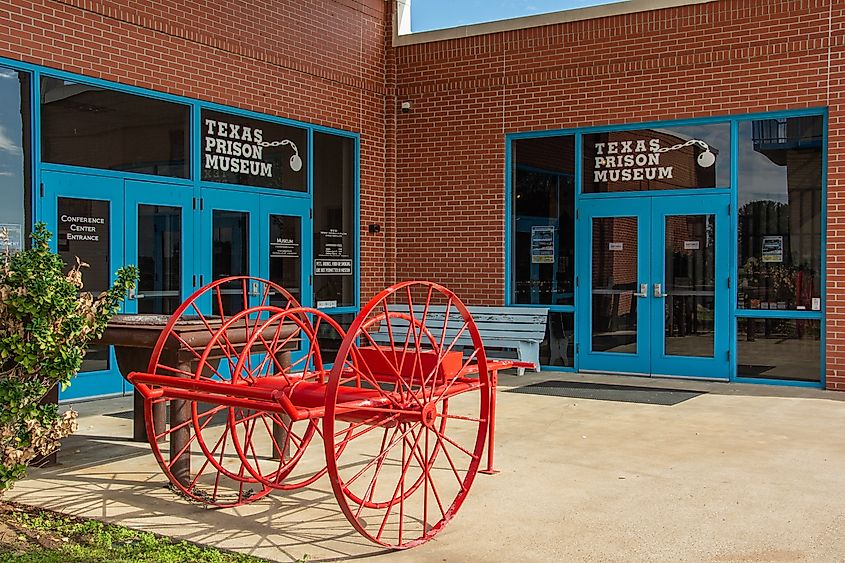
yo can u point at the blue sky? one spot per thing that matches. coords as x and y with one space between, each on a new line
439 14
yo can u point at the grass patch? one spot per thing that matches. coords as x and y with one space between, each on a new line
30 535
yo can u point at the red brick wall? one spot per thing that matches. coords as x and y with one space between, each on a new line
719 58
320 61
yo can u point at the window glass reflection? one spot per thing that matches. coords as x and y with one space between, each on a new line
15 212
678 157
780 213
85 125
690 269
334 219
614 282
779 349
230 257
558 348
159 258
543 228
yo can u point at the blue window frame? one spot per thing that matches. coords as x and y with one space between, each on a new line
726 181
296 159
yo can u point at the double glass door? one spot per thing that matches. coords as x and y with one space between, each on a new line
655 287
245 233
179 240
106 222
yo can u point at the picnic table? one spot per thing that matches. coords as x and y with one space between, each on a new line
134 337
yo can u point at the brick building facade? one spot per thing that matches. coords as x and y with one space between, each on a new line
434 178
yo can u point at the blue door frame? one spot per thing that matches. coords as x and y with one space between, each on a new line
97 188
717 365
259 208
634 215
152 193
288 207
638 348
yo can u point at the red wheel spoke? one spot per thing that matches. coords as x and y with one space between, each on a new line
207 461
376 387
444 437
453 380
210 412
449 459
467 418
371 488
405 465
382 455
273 439
426 466
370 428
219 303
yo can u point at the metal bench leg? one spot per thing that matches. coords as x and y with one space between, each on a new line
491 428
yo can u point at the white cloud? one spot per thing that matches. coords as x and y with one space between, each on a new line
7 144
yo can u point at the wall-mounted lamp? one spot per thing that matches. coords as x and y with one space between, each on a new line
374 228
406 107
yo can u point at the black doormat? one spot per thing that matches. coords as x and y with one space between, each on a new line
606 392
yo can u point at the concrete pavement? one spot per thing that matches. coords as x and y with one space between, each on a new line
738 473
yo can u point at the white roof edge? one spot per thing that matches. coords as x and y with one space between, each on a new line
402 20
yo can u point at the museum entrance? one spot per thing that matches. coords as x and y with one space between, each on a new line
179 238
655 285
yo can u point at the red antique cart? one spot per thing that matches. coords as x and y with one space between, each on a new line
402 412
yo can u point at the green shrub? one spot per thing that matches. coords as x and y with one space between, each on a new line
46 323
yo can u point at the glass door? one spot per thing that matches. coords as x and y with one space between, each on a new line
614 334
159 239
85 214
690 286
284 242
655 286
229 245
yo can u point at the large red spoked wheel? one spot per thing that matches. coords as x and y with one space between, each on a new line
267 437
195 448
402 464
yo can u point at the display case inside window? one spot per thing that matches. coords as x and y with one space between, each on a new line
334 220
780 213
543 220
15 168
85 125
657 158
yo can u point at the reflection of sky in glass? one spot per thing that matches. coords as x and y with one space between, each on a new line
759 177
11 153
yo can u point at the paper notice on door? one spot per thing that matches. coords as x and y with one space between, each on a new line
817 303
615 246
692 245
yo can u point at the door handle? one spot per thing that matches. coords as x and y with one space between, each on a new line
133 294
658 291
254 289
643 290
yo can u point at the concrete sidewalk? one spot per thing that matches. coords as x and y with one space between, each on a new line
738 473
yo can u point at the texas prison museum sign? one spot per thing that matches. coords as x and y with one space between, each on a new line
252 152
648 160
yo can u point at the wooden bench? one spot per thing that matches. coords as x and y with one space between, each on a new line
513 328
